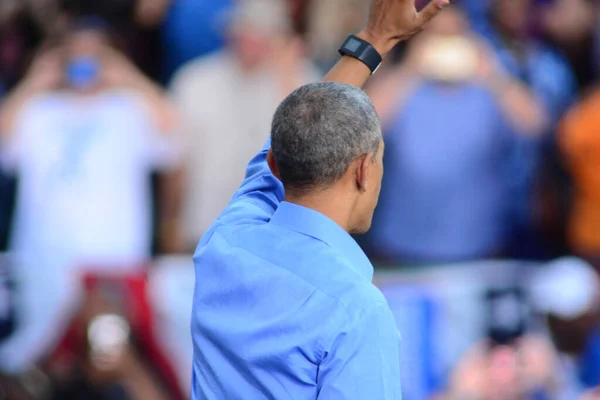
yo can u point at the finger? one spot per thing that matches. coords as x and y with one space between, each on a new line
431 10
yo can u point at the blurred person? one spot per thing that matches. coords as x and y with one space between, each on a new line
567 293
20 34
196 28
516 360
539 66
138 25
578 140
571 25
82 132
529 369
226 100
444 196
593 394
105 352
191 29
546 72
284 304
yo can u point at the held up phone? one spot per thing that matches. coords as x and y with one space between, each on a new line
508 315
450 59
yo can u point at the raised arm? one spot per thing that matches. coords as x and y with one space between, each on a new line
44 75
119 72
390 22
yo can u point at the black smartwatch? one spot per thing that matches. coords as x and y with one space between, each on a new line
361 50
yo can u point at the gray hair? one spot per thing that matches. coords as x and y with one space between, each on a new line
319 130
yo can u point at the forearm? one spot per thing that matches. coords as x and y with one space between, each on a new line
524 111
12 105
350 71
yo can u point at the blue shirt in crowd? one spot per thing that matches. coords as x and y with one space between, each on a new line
284 307
443 196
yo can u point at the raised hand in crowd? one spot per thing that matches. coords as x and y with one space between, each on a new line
524 110
46 70
451 52
593 394
390 22
120 72
44 74
506 372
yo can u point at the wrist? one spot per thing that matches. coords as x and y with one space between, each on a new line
383 46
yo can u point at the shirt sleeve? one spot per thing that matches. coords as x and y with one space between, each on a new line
363 362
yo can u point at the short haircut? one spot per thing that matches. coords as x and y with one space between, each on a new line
319 130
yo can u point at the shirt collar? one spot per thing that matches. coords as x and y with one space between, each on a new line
314 224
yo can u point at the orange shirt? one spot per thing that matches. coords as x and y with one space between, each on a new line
580 142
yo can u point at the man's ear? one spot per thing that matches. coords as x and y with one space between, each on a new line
273 164
361 167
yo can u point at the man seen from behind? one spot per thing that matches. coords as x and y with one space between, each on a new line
284 305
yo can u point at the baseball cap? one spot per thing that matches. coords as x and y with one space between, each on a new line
567 288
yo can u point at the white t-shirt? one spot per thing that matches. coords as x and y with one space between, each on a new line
227 115
83 165
83 203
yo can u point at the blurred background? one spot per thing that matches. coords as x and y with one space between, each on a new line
125 127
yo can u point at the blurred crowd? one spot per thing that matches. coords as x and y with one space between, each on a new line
126 125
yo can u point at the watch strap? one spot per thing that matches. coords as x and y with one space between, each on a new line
361 50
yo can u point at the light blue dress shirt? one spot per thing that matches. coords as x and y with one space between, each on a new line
284 307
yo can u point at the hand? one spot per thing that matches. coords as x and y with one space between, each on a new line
393 21
539 361
46 71
470 380
593 394
118 71
505 371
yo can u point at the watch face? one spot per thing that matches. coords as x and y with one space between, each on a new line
353 45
